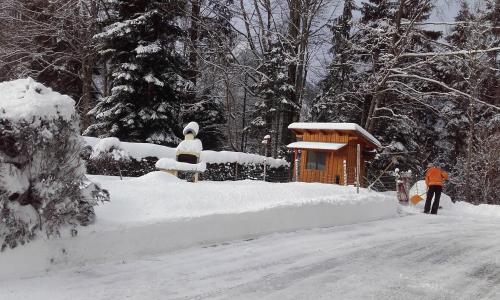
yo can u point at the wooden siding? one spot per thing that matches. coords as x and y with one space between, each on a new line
325 137
334 167
335 159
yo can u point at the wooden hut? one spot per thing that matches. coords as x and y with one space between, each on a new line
327 152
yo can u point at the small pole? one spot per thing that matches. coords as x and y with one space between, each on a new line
265 142
358 166
345 172
296 166
265 159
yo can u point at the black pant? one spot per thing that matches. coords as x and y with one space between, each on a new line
434 190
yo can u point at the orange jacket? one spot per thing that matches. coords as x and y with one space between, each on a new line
435 176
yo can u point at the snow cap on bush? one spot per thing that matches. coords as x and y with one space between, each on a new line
26 99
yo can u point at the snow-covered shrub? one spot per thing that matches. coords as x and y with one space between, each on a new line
42 176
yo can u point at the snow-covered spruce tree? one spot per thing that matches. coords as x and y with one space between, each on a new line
275 103
42 177
147 84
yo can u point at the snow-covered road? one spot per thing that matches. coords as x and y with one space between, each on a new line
411 257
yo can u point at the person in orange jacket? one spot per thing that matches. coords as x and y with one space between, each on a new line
434 179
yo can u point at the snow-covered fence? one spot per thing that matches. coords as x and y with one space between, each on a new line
108 157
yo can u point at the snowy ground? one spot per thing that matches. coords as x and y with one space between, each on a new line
411 257
157 213
161 238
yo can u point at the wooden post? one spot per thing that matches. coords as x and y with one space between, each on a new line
345 172
296 166
358 166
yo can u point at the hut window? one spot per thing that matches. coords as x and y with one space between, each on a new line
316 160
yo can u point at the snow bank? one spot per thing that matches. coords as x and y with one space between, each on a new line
158 212
138 151
25 99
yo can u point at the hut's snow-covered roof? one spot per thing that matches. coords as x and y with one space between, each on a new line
316 145
336 126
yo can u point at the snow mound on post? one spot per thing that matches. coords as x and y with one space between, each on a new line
110 145
25 99
192 127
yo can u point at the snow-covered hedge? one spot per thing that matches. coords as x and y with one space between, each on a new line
42 177
109 156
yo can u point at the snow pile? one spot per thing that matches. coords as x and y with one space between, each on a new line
139 151
26 99
172 164
420 188
158 212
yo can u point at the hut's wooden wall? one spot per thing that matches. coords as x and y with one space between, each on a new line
325 137
335 159
334 167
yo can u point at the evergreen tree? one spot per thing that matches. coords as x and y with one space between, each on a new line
148 84
274 92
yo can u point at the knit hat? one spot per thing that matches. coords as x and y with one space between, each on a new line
430 165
